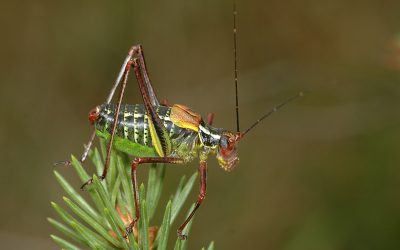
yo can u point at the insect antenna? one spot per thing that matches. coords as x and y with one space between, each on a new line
235 64
273 110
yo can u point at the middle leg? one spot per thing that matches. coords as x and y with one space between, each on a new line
135 164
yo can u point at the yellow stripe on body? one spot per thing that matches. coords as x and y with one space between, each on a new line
135 130
126 115
155 139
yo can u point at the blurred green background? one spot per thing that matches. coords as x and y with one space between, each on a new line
323 173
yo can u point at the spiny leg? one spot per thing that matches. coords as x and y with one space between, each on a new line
136 58
121 73
160 135
200 198
88 146
109 147
135 164
139 54
109 98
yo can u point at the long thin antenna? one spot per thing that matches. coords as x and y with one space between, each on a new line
235 72
273 110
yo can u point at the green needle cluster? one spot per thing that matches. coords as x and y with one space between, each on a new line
101 223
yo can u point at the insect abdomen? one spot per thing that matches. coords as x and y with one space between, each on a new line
132 123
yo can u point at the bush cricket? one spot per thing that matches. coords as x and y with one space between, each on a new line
155 132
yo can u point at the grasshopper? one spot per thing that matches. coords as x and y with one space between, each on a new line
155 132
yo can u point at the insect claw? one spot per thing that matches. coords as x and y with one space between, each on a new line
127 232
129 229
89 182
181 236
64 163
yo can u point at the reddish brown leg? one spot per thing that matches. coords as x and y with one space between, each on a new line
200 198
165 103
139 54
135 164
210 118
145 88
135 52
136 59
109 146
120 76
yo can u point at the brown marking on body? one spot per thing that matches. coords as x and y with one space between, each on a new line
184 117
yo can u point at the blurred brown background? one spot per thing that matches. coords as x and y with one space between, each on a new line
323 173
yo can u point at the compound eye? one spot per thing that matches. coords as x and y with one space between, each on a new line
223 141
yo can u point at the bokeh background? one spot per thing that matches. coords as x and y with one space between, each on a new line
323 173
